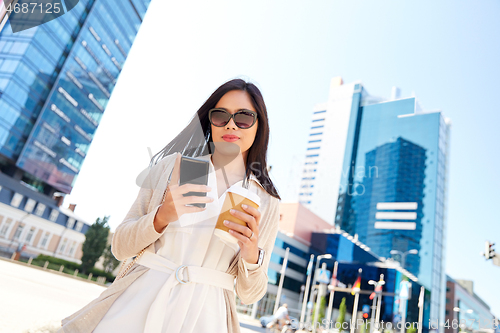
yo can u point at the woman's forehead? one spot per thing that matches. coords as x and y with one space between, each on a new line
235 100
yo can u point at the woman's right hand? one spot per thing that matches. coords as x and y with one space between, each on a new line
175 203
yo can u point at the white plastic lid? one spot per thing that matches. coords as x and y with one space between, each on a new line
245 193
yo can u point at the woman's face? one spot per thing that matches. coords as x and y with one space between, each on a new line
233 101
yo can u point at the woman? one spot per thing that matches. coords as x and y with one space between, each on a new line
184 277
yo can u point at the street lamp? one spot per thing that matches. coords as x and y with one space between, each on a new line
404 254
318 259
377 290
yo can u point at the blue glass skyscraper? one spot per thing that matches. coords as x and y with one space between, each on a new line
55 82
382 165
399 177
393 196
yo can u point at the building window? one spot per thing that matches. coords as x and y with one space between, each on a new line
40 208
320 126
323 111
5 228
70 223
30 204
72 249
318 119
281 217
316 155
63 245
312 141
44 241
53 215
315 133
312 148
19 230
79 226
29 236
16 200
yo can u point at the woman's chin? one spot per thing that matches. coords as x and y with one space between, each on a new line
227 148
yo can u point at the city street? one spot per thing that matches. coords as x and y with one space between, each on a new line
35 301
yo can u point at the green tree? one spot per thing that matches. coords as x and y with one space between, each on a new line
110 262
321 312
96 239
341 317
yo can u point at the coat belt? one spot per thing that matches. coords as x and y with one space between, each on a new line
179 274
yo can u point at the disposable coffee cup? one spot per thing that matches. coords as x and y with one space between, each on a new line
235 197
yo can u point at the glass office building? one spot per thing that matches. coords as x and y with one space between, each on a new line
351 255
55 82
298 258
392 195
466 311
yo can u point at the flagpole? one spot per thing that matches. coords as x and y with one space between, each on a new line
377 292
421 309
330 301
403 302
354 312
282 278
373 311
379 303
306 293
355 307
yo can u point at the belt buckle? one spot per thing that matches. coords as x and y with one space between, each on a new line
179 269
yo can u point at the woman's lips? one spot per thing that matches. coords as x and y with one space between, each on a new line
230 138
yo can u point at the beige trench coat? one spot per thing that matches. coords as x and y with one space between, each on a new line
137 232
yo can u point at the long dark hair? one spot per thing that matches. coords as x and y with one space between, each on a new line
193 141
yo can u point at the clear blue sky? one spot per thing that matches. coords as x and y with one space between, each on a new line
446 52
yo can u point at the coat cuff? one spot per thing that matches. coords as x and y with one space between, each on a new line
249 267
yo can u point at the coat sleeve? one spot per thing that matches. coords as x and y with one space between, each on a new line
137 230
251 285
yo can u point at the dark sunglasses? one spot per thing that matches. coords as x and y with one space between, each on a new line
243 118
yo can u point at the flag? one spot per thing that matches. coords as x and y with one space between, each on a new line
334 280
357 285
378 289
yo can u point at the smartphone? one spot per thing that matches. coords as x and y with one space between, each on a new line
194 171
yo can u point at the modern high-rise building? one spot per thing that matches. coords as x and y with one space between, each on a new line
378 169
55 82
329 132
466 311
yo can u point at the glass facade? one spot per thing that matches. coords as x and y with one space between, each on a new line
465 311
350 258
392 189
297 263
55 82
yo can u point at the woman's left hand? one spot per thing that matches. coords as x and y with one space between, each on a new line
248 243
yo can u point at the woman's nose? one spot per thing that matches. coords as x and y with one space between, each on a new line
231 124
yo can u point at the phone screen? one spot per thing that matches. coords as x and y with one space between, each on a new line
194 171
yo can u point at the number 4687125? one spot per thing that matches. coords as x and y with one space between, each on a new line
33 7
